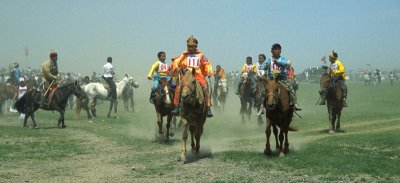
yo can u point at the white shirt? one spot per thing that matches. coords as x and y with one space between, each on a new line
22 90
108 70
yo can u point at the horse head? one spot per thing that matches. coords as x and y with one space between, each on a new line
223 85
165 91
188 91
272 93
78 91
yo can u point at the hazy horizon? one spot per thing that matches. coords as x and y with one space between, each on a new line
85 33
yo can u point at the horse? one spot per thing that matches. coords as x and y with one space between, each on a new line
245 94
279 114
220 93
334 102
7 92
127 94
96 91
259 99
163 105
193 111
30 102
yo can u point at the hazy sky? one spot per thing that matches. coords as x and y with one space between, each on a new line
85 32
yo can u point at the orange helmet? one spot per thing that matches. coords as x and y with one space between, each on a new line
192 41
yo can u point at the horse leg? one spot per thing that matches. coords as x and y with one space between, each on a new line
33 120
110 109
160 122
26 119
267 150
338 129
333 121
169 119
275 129
281 138
286 147
115 108
199 132
184 138
62 112
191 129
132 104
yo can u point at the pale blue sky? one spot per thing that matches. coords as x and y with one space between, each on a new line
85 32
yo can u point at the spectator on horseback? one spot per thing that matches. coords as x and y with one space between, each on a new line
160 67
108 76
15 74
219 74
276 64
336 71
193 58
251 69
50 77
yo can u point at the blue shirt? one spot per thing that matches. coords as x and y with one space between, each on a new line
280 65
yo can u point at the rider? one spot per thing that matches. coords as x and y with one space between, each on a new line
219 74
160 67
50 76
337 72
193 58
108 76
251 69
278 63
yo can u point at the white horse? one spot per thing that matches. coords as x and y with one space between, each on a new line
98 91
220 94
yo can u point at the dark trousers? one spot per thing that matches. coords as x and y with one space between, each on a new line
113 88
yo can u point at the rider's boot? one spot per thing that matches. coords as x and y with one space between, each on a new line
323 97
207 101
238 89
176 111
152 95
293 102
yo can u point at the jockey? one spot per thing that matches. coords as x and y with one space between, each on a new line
337 72
50 76
219 74
250 68
278 63
193 58
108 76
174 75
261 60
160 67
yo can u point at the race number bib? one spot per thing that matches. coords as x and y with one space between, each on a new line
162 67
334 67
193 61
275 67
248 68
260 71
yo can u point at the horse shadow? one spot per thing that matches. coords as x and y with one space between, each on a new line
192 157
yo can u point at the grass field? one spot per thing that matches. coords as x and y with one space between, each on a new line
128 149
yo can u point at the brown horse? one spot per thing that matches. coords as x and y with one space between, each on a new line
163 105
245 94
334 101
279 114
193 111
7 92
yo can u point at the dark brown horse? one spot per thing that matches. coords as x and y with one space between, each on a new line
163 105
246 99
334 102
193 111
279 114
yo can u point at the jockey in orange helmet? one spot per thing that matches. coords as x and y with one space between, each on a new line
193 58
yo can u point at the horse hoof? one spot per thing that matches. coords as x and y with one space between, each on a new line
35 127
281 154
331 131
64 126
267 152
171 134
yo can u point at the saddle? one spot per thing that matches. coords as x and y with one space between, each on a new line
106 86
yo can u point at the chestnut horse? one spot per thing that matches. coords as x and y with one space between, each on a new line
279 114
246 99
193 111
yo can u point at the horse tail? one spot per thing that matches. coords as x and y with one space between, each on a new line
293 129
20 104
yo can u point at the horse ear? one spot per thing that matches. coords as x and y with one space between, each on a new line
76 82
193 72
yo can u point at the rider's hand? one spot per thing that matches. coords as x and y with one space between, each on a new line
148 77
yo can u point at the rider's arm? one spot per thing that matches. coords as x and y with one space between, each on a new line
153 68
206 65
243 68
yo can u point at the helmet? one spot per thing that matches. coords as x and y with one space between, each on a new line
192 41
333 54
